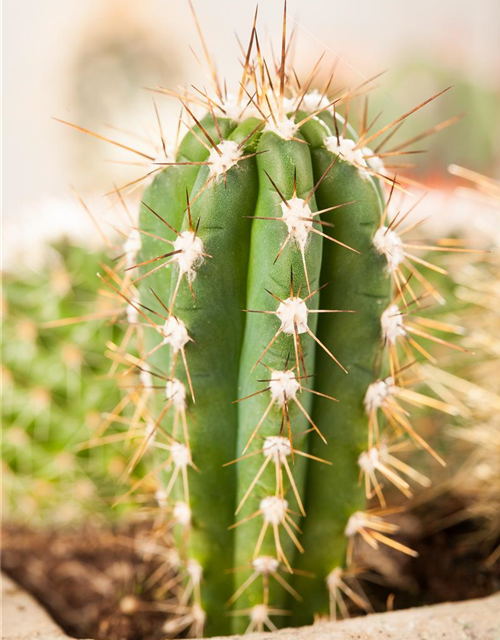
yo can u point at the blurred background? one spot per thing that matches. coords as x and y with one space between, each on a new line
89 62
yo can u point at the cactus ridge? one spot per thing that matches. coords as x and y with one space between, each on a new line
278 309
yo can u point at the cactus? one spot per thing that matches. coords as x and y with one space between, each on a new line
270 283
214 355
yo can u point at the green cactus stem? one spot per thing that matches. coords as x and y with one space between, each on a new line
270 280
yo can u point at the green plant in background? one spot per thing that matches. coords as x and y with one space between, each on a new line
49 409
277 298
478 101
476 385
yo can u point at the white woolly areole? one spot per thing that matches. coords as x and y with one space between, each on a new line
389 244
345 147
265 565
334 578
198 614
161 497
283 386
181 456
373 161
195 571
294 213
146 547
313 101
356 522
132 314
146 379
392 324
175 334
238 112
293 311
231 108
165 155
273 509
289 104
277 447
377 393
229 156
191 252
259 613
131 246
285 128
150 431
174 557
176 391
369 460
182 513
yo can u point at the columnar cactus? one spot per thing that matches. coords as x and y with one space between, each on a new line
239 321
273 292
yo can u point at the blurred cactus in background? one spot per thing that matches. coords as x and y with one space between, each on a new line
55 388
475 384
120 50
473 142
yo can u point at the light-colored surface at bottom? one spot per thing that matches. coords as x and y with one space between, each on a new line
24 619
471 620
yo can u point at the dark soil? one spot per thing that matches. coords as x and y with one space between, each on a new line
89 579
453 562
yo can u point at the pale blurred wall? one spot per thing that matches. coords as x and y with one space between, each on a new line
40 37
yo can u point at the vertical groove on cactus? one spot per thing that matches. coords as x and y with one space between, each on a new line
280 307
362 279
277 354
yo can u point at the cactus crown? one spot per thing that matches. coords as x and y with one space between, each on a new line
269 287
